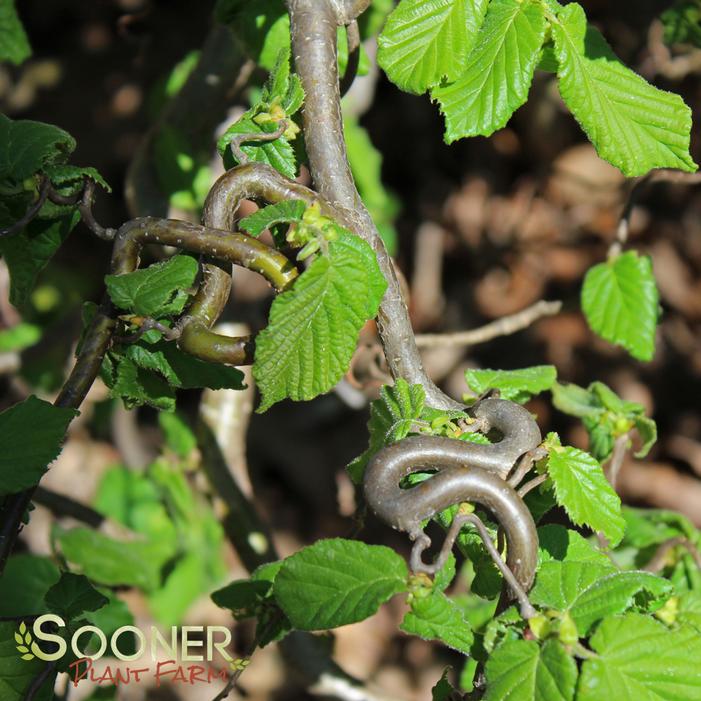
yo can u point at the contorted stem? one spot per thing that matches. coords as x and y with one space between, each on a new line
313 24
466 472
223 245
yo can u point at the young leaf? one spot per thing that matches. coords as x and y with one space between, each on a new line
391 419
111 562
135 386
14 45
178 435
155 291
633 125
436 617
278 154
68 179
583 490
72 596
31 434
443 690
639 658
26 147
28 252
516 385
591 591
313 328
284 212
521 669
576 401
336 582
424 42
498 72
621 303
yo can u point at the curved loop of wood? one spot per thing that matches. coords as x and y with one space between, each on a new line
465 472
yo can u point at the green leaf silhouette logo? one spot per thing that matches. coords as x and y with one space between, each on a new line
23 638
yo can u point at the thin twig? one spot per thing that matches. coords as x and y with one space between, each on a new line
239 139
31 212
85 209
656 176
527 610
39 680
62 505
532 484
620 448
501 327
658 561
525 464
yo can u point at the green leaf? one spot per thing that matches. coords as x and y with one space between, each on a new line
178 435
391 419
426 41
313 328
436 617
19 337
689 612
183 585
278 153
14 45
263 26
522 670
633 125
155 291
72 596
576 401
583 490
639 658
68 179
111 562
28 252
182 370
135 386
647 430
621 303
243 597
590 591
443 690
648 527
31 434
17 674
562 544
336 582
498 73
23 584
682 23
284 212
26 147
516 385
